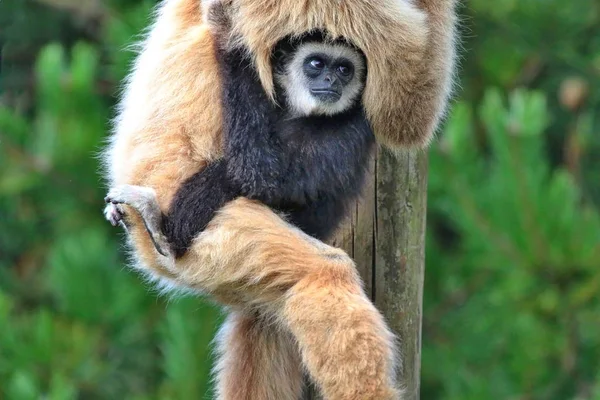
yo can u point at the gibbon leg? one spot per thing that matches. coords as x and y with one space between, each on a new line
343 339
288 281
250 258
258 360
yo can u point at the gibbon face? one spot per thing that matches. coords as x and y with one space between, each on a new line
320 78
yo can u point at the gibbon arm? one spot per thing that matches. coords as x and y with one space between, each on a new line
195 204
409 45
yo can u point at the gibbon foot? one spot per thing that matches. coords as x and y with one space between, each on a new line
143 200
114 214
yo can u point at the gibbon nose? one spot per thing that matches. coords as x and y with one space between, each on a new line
330 78
329 90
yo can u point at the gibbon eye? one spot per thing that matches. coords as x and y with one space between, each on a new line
344 70
317 63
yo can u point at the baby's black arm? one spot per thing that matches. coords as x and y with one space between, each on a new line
195 204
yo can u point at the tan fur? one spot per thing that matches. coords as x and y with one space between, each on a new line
169 127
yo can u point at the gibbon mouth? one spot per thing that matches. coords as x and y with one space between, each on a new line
329 95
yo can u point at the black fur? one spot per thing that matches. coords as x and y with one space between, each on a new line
309 168
195 204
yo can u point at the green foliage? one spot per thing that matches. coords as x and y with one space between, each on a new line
512 304
511 297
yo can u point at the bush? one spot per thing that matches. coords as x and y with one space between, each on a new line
512 299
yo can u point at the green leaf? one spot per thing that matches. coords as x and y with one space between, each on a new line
83 68
22 386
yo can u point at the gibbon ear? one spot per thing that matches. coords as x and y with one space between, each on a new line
409 46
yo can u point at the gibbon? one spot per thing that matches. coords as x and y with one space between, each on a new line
295 303
305 156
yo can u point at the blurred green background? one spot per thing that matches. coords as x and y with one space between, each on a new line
512 295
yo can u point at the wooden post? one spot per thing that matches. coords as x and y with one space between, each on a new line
386 238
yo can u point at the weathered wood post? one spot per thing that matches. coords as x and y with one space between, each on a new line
386 238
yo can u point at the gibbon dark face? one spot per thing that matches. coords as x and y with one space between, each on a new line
319 78
327 77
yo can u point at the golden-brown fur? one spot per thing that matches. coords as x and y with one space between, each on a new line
307 295
408 44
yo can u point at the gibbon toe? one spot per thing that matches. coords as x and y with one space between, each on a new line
113 214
